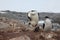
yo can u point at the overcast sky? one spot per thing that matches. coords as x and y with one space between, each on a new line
26 5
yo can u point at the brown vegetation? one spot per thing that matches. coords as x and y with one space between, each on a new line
15 30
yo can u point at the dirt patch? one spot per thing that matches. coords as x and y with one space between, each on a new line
16 31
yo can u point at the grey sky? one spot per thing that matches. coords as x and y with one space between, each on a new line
26 5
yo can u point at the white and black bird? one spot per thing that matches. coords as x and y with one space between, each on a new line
33 19
48 24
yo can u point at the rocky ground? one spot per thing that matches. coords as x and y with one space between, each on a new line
11 29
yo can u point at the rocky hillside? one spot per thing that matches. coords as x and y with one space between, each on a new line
23 15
